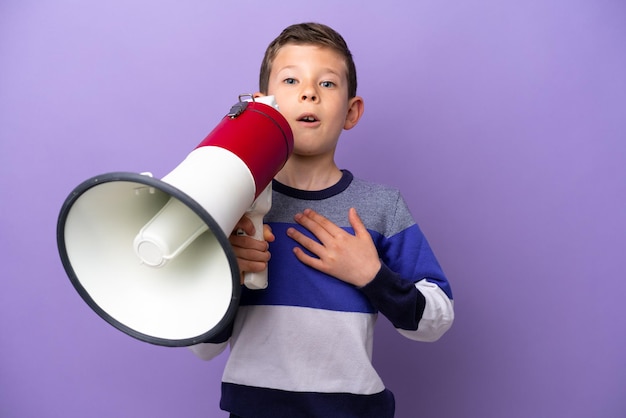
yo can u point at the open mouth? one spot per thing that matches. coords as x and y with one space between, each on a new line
308 119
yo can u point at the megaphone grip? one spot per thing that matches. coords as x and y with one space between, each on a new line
260 207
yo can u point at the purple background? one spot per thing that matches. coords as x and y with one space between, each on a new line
503 122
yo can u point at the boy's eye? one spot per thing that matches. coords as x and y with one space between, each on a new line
290 81
327 84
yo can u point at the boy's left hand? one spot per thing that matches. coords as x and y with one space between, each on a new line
350 258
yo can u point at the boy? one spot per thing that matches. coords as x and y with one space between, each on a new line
342 251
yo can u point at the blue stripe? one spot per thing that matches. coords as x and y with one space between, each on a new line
408 254
291 283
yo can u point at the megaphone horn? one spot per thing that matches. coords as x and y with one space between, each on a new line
152 257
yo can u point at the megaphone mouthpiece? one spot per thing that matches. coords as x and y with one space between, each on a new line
167 234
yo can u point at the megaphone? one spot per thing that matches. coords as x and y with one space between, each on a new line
152 257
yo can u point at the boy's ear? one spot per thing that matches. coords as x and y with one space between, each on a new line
258 94
355 111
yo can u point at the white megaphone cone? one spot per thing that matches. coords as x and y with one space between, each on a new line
152 257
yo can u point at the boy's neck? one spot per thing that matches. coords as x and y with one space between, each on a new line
308 175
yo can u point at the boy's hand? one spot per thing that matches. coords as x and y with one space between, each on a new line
252 254
350 258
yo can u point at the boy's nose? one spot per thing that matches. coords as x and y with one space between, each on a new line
308 93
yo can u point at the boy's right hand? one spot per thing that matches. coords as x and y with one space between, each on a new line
252 254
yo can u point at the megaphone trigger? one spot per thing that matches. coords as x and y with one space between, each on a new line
256 213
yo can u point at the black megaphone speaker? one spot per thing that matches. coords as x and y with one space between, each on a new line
152 257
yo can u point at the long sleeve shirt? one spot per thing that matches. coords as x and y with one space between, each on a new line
303 346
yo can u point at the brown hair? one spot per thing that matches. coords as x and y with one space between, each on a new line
308 34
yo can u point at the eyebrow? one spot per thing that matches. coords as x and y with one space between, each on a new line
324 70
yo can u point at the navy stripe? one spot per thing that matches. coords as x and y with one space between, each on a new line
333 190
246 401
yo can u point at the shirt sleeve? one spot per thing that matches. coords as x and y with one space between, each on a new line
411 289
397 299
419 311
214 346
208 351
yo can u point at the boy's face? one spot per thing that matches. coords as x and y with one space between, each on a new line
311 89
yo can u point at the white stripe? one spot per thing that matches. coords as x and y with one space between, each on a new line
303 350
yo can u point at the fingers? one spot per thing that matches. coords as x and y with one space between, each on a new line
351 258
357 223
319 225
267 233
311 245
332 250
246 225
304 258
247 242
252 254
324 229
329 238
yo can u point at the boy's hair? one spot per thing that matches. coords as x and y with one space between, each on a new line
308 34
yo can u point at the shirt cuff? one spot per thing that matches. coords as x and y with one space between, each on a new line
396 298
